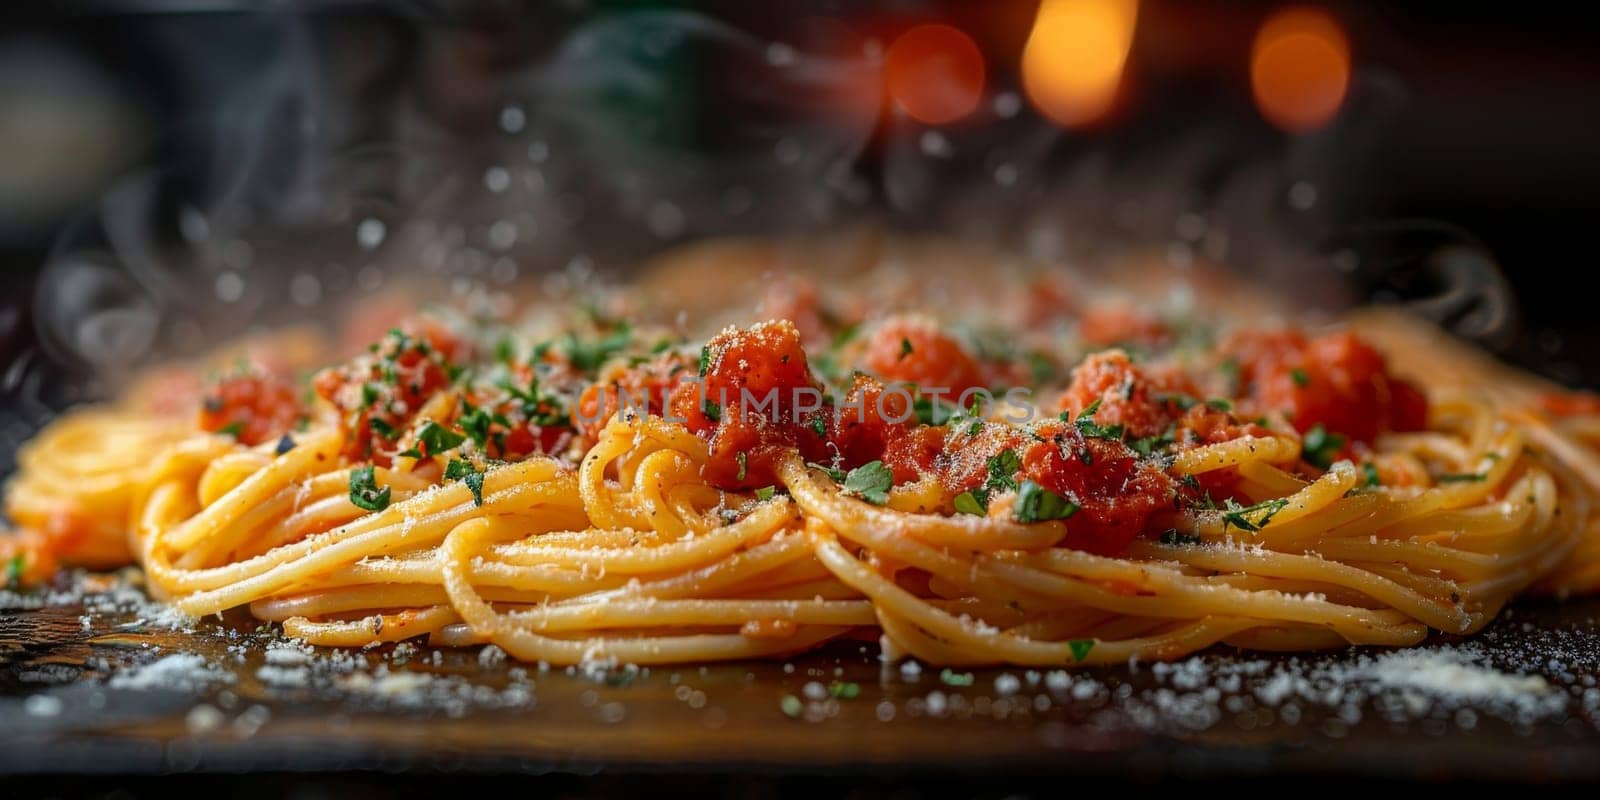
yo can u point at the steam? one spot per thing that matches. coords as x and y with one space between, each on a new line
353 161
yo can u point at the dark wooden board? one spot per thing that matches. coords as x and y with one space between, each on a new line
472 716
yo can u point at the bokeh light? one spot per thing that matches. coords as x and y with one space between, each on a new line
1075 56
935 73
1300 68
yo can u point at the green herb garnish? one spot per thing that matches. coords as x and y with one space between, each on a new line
870 482
1094 430
1080 648
1173 536
588 356
1038 504
1319 446
967 503
1238 516
458 470
765 493
364 491
950 677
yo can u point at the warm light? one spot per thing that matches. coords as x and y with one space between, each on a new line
1300 69
935 73
1073 61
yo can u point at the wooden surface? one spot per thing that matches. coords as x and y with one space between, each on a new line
474 716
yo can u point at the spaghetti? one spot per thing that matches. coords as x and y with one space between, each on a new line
600 498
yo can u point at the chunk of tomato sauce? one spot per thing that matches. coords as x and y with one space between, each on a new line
513 433
1336 380
1150 403
255 407
916 350
757 399
1115 490
875 422
648 386
389 385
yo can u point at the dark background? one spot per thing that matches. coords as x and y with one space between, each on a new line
286 128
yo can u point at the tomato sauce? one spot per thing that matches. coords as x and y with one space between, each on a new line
377 394
1335 380
254 407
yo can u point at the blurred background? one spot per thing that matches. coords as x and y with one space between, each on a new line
175 171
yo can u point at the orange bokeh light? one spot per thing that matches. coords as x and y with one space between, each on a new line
1300 68
935 73
1074 59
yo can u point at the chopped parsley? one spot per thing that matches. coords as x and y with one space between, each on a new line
950 677
1080 648
458 470
1094 430
435 438
1002 472
1240 516
381 427
1180 400
1462 477
870 482
1150 444
765 493
967 503
933 411
1173 536
476 423
1300 377
505 350
1003 467
364 491
1370 471
905 348
1038 504
1219 404
833 472
14 568
819 427
744 466
705 361
233 428
541 409
588 356
713 410
1320 447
